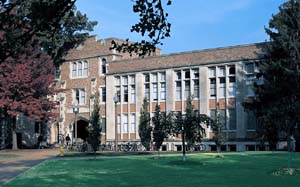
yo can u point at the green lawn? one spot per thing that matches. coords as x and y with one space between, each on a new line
235 169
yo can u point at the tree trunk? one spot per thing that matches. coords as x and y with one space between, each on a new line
183 146
218 149
14 134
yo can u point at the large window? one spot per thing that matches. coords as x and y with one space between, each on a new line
125 94
79 69
147 91
155 91
163 91
187 90
133 123
212 87
178 90
103 67
196 83
222 87
125 124
232 84
232 119
250 73
103 94
79 96
132 94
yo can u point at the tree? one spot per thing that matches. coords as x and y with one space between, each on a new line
144 125
217 128
162 123
189 126
25 84
94 137
56 23
277 100
153 23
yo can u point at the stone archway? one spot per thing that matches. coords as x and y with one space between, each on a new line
82 131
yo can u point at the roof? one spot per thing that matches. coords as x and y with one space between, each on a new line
192 58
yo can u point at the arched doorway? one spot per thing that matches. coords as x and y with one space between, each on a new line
82 131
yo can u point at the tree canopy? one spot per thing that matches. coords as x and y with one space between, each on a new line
277 101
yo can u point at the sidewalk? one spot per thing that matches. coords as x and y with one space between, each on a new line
13 163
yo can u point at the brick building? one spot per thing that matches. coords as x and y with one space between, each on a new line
223 75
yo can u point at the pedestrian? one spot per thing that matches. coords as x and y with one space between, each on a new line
68 140
40 140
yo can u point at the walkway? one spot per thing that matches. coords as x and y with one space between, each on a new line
13 163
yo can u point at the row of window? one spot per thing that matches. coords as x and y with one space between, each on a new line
80 69
123 125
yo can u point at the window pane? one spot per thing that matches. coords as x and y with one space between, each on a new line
163 91
103 94
119 123
196 74
85 69
187 74
178 75
212 72
232 119
125 124
221 71
79 69
74 70
132 97
154 77
147 91
232 89
125 94
155 92
147 78
125 80
132 79
178 91
213 87
132 121
118 81
196 88
187 90
232 70
163 77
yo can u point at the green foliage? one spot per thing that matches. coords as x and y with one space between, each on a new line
94 137
144 125
56 24
152 22
277 101
162 123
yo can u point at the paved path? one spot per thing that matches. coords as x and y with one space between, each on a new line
13 163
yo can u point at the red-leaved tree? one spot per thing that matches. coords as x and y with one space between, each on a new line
25 86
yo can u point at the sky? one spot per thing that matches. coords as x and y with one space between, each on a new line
196 24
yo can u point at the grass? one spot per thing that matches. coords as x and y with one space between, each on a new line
235 169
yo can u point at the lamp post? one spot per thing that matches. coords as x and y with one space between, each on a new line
116 99
75 111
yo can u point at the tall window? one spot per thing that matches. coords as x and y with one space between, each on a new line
178 85
155 92
85 69
163 86
147 91
79 69
163 91
232 119
250 73
79 96
125 124
147 86
118 92
57 72
232 84
103 66
133 123
132 94
74 69
196 83
103 94
222 87
178 91
187 90
212 87
125 97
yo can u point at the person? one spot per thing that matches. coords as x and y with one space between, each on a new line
40 140
68 139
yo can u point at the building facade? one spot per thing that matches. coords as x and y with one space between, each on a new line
223 75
